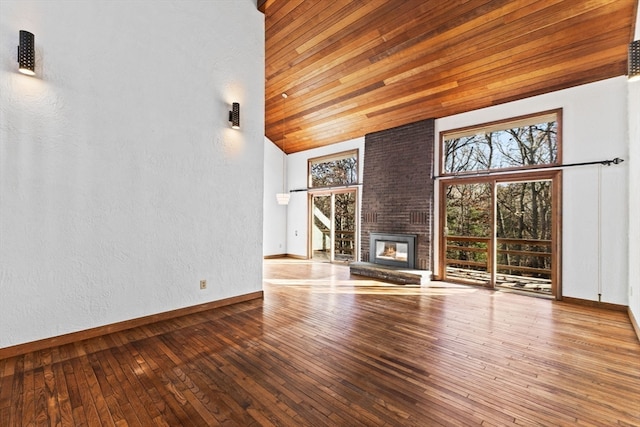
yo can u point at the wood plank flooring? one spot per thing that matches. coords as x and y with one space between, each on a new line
324 349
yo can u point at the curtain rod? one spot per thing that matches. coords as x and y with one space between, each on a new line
614 161
325 188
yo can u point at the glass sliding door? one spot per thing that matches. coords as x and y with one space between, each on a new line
467 232
321 242
333 225
502 232
524 235
344 221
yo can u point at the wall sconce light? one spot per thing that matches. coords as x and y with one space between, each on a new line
634 61
26 54
234 115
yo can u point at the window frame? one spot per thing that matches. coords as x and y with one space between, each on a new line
503 124
333 157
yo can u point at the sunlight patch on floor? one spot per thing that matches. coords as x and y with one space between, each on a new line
320 286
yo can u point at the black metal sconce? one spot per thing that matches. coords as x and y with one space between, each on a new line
234 115
634 61
27 54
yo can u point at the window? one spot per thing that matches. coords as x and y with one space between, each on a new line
513 144
335 170
502 229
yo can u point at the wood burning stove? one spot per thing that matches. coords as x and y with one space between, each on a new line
396 250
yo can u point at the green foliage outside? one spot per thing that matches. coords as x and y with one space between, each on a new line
523 217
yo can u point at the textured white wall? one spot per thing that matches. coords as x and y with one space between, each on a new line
634 199
121 183
634 190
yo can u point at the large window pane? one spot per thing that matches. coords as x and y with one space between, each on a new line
345 226
524 235
321 228
468 231
514 144
335 170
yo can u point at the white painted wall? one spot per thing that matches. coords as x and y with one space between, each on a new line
634 191
594 128
634 199
121 182
275 215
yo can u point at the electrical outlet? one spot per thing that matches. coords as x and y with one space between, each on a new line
203 284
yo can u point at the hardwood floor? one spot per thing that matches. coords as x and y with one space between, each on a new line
322 349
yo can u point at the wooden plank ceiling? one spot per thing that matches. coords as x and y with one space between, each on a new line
352 67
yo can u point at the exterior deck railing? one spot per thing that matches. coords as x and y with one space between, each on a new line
526 257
